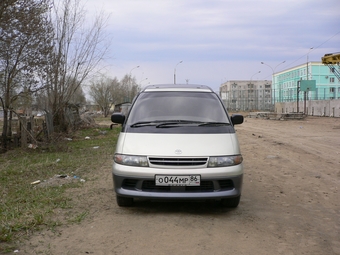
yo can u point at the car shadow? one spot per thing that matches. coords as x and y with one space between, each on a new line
188 207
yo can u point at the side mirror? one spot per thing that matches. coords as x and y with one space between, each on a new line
117 117
237 119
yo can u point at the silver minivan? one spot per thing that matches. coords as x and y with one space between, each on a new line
177 142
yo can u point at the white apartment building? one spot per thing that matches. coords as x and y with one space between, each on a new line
247 95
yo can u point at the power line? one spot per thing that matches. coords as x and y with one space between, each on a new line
312 49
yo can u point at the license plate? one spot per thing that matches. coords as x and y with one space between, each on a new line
178 180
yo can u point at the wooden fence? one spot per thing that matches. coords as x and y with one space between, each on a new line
26 132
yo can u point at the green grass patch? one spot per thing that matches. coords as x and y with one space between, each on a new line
25 207
79 217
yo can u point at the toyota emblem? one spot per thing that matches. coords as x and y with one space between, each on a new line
178 151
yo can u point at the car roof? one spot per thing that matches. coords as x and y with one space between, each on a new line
178 87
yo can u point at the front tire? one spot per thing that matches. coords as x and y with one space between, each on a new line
231 202
124 201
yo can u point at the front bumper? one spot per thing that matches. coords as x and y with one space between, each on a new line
210 188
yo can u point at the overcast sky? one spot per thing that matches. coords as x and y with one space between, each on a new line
217 40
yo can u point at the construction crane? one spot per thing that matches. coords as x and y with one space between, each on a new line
330 60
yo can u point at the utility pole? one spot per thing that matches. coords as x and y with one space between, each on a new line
175 71
297 96
305 92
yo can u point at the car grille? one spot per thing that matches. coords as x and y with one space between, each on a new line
178 161
150 186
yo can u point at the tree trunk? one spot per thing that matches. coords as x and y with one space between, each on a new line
59 122
4 131
23 122
9 127
49 124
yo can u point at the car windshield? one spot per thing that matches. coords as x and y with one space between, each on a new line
177 107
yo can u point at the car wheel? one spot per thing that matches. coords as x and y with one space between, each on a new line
124 201
231 202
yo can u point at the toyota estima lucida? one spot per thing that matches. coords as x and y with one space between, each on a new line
177 142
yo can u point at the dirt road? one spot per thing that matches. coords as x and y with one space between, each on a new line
290 204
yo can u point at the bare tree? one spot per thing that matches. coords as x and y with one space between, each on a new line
106 92
130 88
24 44
77 51
78 97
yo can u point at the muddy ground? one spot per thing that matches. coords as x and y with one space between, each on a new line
290 204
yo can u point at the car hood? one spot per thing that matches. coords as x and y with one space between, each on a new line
175 145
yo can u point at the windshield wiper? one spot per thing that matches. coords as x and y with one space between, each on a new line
214 124
143 123
176 123
156 122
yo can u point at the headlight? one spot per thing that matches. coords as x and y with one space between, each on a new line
131 160
225 161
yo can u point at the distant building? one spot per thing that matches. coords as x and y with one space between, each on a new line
92 108
285 83
282 95
247 95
